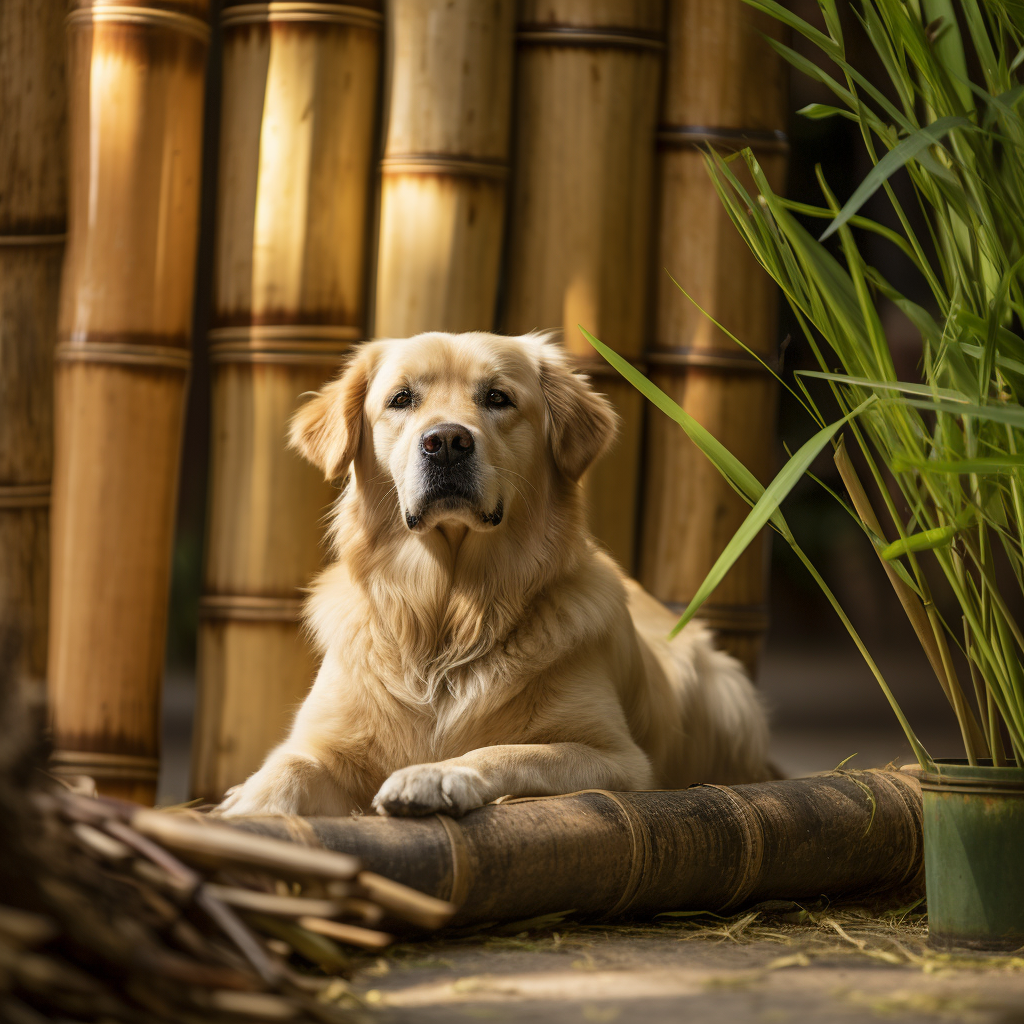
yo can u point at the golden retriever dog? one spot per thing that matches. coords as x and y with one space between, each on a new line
476 642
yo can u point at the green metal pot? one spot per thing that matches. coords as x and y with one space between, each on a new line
974 854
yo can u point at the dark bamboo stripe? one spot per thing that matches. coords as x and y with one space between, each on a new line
282 344
240 608
731 618
337 14
672 136
17 496
150 356
104 766
573 35
440 163
18 241
148 16
679 359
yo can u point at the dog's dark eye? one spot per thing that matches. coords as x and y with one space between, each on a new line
401 399
496 399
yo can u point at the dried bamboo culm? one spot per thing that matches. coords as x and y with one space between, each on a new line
709 848
135 86
445 167
587 94
300 84
724 87
33 208
114 912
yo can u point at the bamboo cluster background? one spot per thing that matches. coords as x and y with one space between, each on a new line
384 169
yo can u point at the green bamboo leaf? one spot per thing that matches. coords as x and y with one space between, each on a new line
741 479
981 466
762 512
909 148
819 111
926 540
1011 414
903 387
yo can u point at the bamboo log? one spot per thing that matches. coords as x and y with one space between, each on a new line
443 176
715 848
136 79
724 87
588 73
297 131
33 206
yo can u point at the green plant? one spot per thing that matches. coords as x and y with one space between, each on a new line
951 447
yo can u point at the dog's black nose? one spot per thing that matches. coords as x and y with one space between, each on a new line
446 443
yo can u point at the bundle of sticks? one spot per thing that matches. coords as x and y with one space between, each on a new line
113 912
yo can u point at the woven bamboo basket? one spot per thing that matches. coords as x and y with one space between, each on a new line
724 87
297 137
445 167
135 87
587 96
33 208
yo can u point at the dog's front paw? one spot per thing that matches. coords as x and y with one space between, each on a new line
429 788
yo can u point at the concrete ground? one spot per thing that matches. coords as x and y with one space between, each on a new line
753 973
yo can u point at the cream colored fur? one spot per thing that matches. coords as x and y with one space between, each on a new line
464 661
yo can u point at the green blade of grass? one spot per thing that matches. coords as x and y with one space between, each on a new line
909 148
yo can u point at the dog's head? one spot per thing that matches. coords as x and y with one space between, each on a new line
460 425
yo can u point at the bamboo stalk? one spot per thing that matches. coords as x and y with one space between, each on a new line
445 166
297 128
33 204
587 85
724 87
845 834
350 933
135 82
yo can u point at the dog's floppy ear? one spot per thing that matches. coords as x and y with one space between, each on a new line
582 422
328 428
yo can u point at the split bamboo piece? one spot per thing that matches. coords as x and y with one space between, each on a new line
712 848
587 96
724 87
135 86
445 166
297 133
33 206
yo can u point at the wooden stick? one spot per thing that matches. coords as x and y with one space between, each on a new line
271 903
215 843
350 933
405 902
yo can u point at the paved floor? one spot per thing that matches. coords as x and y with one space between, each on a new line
653 974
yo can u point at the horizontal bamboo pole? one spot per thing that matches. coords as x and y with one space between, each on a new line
135 83
586 105
297 130
716 848
724 88
33 206
445 167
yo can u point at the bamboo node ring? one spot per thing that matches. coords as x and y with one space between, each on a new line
15 241
665 359
315 345
248 608
639 851
671 136
18 496
104 766
337 14
573 35
150 16
441 163
753 844
737 618
162 357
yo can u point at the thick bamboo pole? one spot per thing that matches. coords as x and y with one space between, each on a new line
297 134
136 79
587 89
724 86
715 848
443 176
33 208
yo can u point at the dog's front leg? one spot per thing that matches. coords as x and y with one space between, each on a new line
461 783
290 783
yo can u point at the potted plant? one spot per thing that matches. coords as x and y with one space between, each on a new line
946 452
